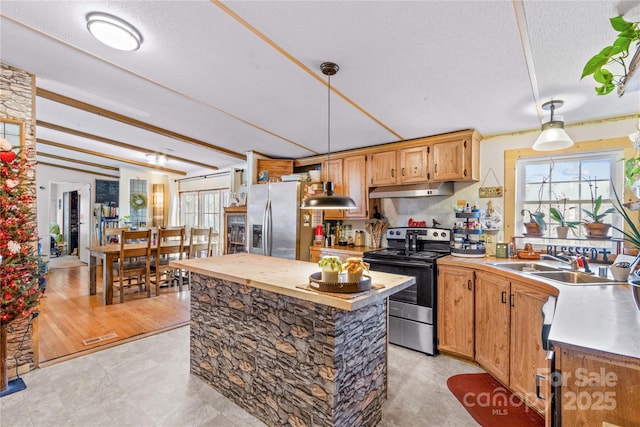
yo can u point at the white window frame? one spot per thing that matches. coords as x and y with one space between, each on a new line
617 180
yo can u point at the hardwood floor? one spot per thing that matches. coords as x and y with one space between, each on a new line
69 316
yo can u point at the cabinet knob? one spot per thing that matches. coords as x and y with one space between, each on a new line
393 173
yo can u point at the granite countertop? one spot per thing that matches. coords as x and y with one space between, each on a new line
598 317
289 277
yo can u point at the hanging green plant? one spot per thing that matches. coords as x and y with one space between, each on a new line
138 201
628 36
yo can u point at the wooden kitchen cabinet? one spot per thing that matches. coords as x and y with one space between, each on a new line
492 324
354 178
414 165
456 160
596 388
527 357
456 311
383 168
349 177
403 166
334 169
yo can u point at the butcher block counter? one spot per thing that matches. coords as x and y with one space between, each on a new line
286 354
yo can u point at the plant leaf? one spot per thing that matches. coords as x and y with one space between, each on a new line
619 24
605 89
622 43
596 62
603 76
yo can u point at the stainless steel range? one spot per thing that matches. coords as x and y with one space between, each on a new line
412 311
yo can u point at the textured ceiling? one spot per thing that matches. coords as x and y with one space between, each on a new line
245 75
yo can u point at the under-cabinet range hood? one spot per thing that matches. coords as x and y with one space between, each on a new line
413 190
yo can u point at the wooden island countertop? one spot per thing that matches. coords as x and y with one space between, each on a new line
289 277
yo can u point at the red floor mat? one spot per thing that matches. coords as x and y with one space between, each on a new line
490 403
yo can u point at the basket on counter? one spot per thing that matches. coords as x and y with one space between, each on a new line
339 287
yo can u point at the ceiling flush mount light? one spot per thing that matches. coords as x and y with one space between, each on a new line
553 136
113 31
328 200
156 159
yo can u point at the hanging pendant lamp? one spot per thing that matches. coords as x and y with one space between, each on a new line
328 200
553 136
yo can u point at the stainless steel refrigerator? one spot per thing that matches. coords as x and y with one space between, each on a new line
277 225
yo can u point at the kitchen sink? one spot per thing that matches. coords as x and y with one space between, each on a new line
575 278
526 267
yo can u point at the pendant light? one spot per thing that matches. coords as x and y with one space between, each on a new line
328 200
553 136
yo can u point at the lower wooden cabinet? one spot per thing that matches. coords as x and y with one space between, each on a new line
492 326
497 322
527 357
456 311
597 389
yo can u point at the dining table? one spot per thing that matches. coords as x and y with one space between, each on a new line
109 254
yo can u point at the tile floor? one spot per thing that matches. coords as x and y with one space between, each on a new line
147 383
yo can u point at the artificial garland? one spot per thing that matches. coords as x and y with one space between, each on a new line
138 201
20 270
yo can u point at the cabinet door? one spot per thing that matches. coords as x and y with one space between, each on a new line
455 311
383 168
528 358
314 254
354 183
450 160
598 389
414 165
335 175
492 324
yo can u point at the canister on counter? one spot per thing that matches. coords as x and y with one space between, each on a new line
359 241
502 250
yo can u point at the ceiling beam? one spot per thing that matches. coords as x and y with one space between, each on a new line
77 169
52 96
98 138
108 156
81 162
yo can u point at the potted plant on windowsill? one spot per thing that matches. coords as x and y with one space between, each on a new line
615 54
595 227
536 225
562 230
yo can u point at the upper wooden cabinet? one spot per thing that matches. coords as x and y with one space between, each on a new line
354 174
404 166
348 175
334 170
455 160
383 168
414 165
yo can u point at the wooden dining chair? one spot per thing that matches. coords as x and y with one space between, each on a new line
200 245
169 247
112 235
133 267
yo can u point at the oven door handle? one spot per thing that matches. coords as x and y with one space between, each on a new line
374 261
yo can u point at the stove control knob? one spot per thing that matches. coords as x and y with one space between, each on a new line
397 232
435 234
443 234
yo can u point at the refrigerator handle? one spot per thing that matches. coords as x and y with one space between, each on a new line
264 228
269 221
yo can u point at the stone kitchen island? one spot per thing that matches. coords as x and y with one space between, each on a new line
288 355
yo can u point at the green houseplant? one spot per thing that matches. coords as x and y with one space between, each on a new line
595 225
558 214
615 54
536 225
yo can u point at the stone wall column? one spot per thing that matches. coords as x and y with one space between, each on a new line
17 101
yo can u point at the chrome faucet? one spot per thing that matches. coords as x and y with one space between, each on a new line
570 261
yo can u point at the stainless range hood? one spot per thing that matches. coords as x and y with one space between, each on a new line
413 190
